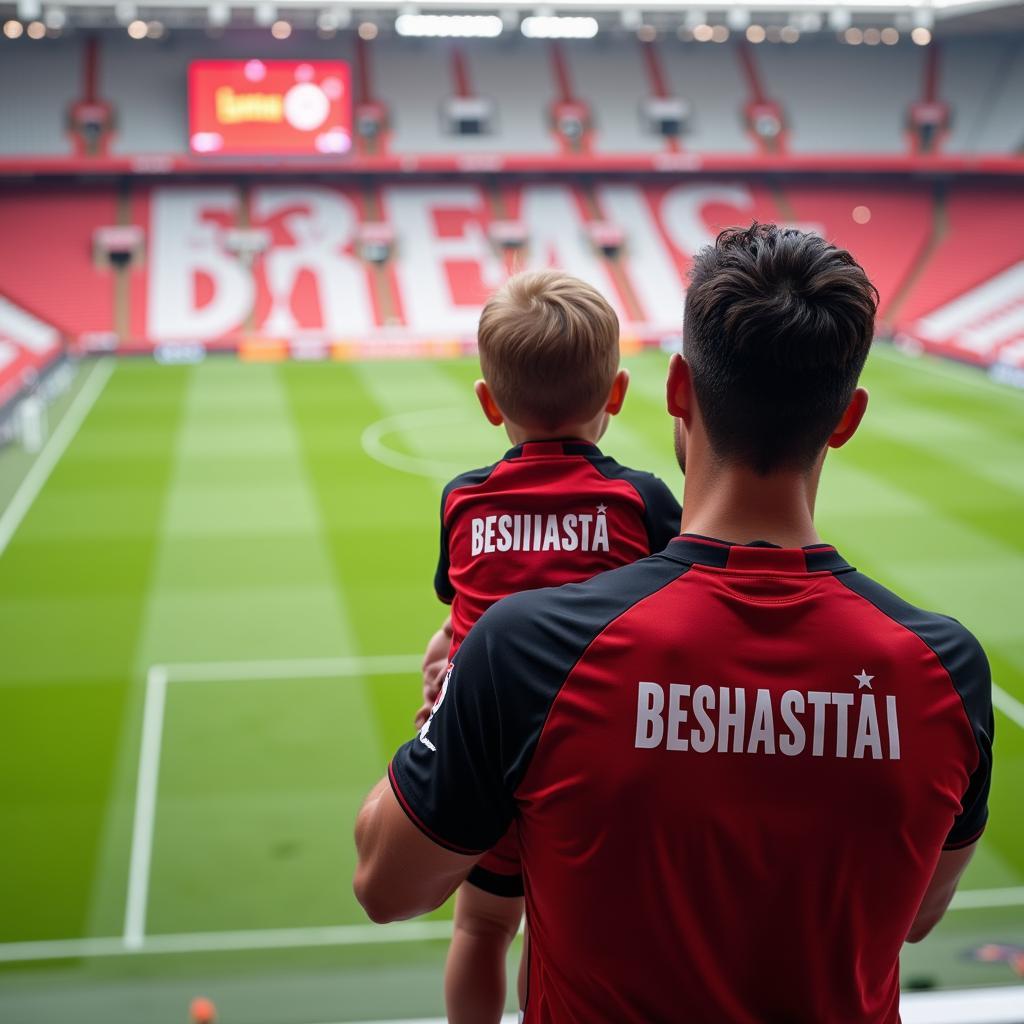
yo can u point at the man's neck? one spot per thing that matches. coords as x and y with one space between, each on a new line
735 504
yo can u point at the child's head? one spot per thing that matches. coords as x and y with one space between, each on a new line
549 350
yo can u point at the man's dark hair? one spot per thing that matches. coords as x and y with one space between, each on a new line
777 327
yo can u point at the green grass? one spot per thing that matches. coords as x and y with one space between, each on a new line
228 512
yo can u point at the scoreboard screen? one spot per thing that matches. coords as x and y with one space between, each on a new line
269 108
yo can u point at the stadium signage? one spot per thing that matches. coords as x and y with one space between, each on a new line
270 108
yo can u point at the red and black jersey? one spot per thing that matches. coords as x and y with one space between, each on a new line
550 512
732 768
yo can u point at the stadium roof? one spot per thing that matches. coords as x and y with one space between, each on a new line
623 16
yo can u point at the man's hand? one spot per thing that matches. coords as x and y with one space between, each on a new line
400 873
435 664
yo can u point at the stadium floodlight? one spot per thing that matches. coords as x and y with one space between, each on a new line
921 35
35 30
756 34
29 10
449 26
137 29
552 26
331 19
264 15
923 18
13 29
737 18
218 14
840 19
55 19
125 11
631 18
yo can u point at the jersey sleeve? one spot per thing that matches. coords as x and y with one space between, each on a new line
969 669
450 778
442 582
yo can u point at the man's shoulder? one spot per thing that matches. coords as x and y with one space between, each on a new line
571 615
949 639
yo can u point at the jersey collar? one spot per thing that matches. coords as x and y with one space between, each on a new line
757 556
552 447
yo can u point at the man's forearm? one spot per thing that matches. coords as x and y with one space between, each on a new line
368 822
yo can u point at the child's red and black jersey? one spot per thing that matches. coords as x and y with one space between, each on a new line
550 512
732 769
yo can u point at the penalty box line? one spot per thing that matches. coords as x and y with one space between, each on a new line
148 775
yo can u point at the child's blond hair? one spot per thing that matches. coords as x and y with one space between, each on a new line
549 348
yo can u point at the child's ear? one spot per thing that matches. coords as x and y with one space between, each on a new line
488 404
617 395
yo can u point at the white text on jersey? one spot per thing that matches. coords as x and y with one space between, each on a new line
525 532
835 724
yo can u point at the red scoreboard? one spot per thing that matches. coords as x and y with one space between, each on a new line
269 108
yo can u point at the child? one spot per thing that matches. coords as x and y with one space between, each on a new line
554 510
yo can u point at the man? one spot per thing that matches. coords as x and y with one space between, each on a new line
743 774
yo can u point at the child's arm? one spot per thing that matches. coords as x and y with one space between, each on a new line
435 661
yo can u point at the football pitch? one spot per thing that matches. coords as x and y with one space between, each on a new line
215 582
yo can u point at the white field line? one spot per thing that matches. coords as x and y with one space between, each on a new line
1008 704
157 680
972 899
145 807
52 451
221 942
147 780
948 369
336 935
288 668
372 442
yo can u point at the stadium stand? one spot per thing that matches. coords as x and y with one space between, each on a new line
28 346
860 109
862 116
314 281
433 209
978 77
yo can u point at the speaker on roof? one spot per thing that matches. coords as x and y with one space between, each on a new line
371 119
467 115
666 115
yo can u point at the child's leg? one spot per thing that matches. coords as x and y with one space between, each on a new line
524 968
474 980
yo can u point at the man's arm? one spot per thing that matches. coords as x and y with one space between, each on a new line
951 866
400 873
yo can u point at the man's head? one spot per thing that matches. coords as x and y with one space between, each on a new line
549 350
777 327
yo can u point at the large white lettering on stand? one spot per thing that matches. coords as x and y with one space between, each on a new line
423 276
183 245
322 224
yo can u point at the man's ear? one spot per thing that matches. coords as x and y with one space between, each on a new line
487 403
679 389
850 420
617 395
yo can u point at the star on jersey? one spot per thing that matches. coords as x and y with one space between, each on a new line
601 509
863 679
